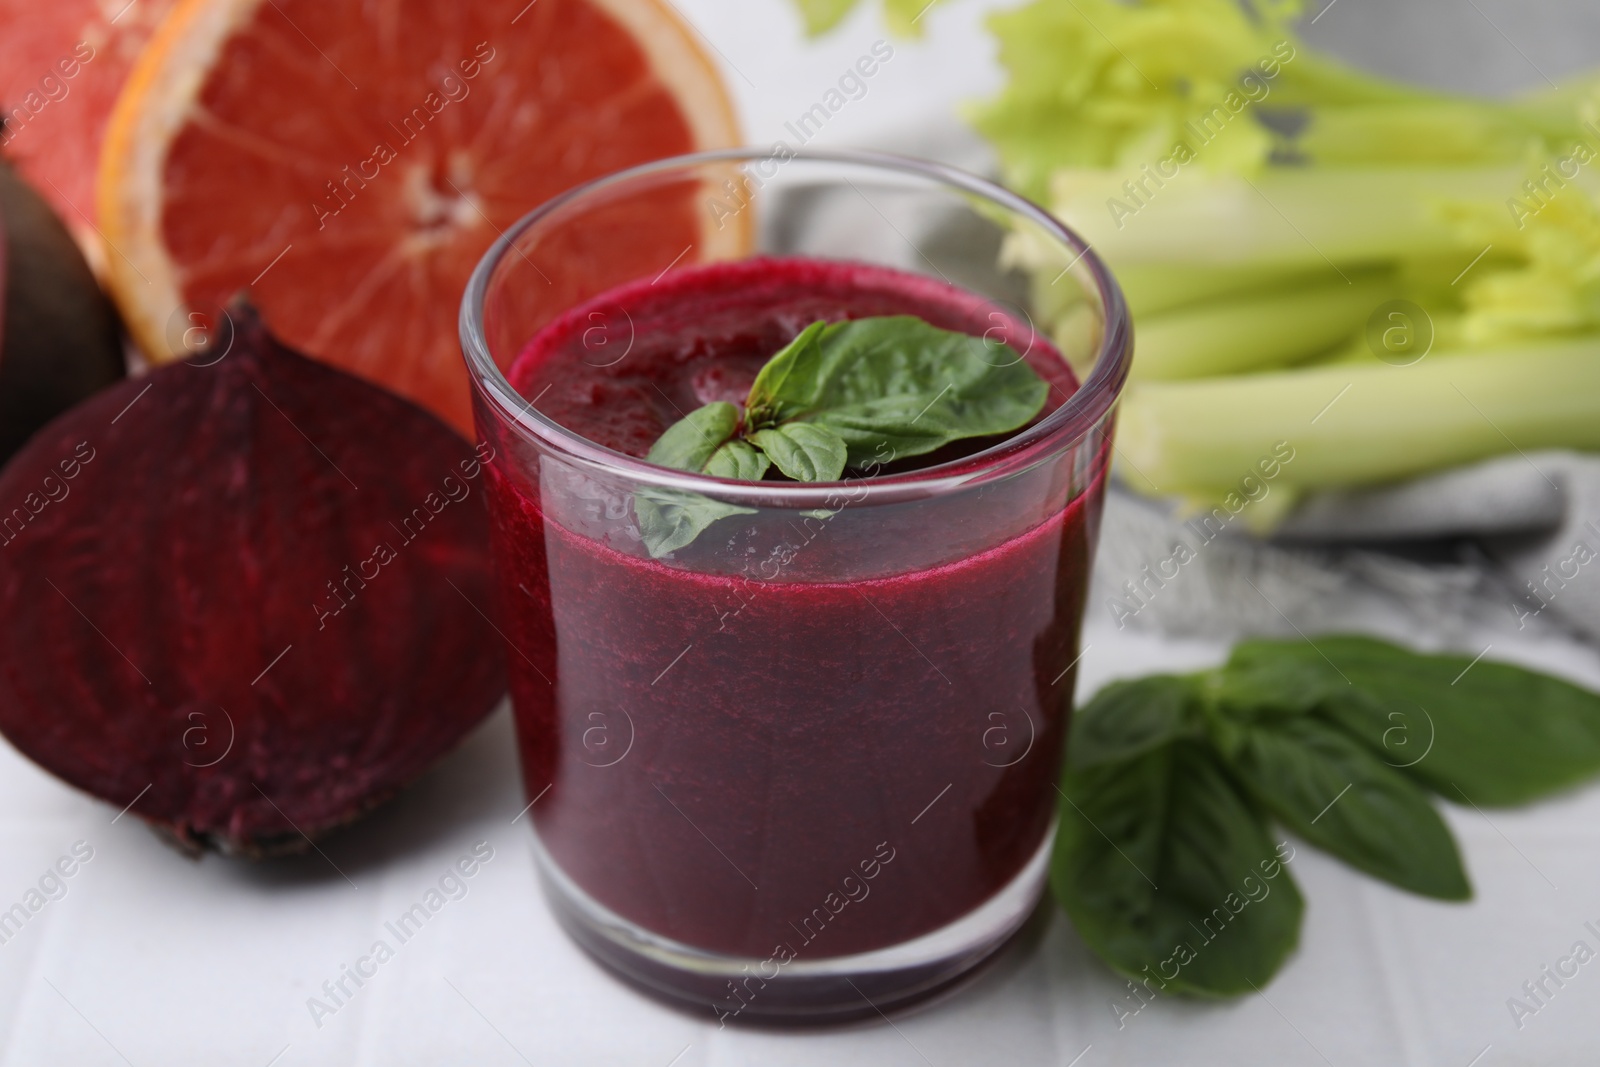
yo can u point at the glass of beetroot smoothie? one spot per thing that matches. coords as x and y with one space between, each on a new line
801 764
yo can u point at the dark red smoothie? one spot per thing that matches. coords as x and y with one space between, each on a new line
798 737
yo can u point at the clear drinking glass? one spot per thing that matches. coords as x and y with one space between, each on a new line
803 767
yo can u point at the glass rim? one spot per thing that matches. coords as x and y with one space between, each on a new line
1078 416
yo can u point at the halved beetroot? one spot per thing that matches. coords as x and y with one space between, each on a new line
244 595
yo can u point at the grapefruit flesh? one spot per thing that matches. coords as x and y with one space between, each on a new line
62 64
350 163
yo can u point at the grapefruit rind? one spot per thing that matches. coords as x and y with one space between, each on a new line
141 276
163 92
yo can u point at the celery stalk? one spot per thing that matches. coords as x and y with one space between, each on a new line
1283 217
1235 179
1259 332
1433 133
1152 289
1316 78
1354 425
1575 91
1155 290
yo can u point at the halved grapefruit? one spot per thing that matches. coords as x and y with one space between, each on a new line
350 160
62 64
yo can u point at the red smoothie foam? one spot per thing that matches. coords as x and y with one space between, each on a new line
824 755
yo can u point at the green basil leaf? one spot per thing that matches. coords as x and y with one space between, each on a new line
738 461
765 402
669 519
1127 719
702 441
1484 733
803 451
852 391
899 382
1258 682
1169 875
689 443
1329 789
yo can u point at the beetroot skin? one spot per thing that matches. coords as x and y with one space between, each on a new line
244 595
59 337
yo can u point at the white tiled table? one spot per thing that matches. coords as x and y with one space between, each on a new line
152 959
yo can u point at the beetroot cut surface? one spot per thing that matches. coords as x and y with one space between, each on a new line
245 595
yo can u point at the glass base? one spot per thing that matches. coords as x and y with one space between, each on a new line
736 989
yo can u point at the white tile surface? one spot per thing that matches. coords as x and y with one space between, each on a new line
153 959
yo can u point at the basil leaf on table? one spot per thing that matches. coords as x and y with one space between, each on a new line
1127 719
1168 873
1171 778
1259 681
1329 789
896 381
1483 733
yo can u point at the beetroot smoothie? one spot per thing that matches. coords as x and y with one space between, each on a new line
801 736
